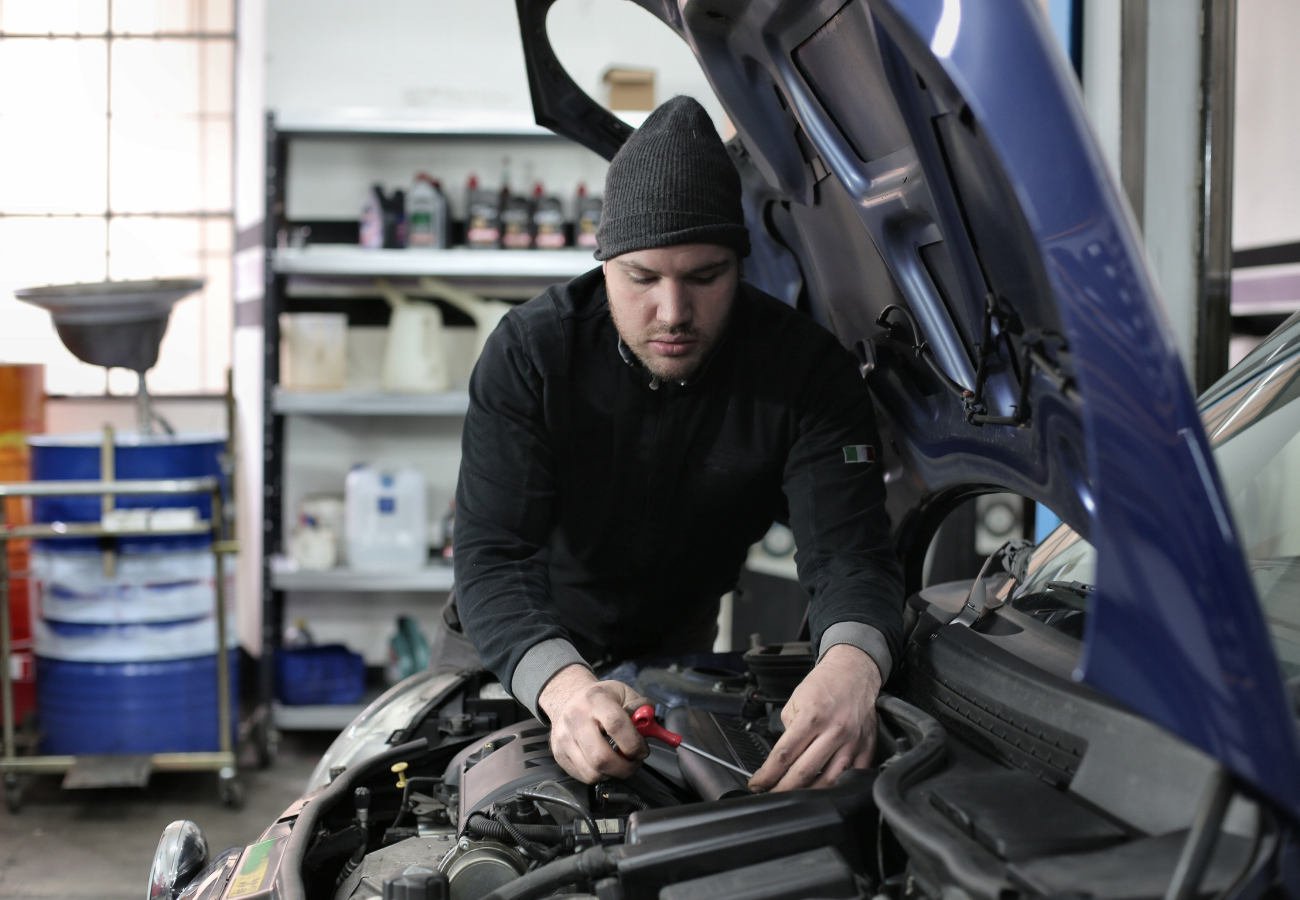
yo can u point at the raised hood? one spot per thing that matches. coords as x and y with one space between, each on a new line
933 156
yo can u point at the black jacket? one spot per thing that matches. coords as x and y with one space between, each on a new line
594 509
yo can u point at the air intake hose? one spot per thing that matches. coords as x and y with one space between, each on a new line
588 865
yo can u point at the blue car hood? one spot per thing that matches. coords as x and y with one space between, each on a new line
934 156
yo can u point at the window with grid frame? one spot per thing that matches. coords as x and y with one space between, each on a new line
116 155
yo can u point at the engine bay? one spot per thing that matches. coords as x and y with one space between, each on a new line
973 786
502 806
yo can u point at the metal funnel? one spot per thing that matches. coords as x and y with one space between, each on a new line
112 323
116 324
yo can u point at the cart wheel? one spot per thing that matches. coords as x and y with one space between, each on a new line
266 741
231 790
13 794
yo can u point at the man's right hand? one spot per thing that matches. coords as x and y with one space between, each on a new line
583 710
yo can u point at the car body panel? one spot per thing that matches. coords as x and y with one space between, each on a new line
974 172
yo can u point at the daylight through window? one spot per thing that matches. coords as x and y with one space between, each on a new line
116 142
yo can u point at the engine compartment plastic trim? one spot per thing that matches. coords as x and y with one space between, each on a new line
290 886
926 756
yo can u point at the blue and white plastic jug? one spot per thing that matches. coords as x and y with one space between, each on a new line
387 519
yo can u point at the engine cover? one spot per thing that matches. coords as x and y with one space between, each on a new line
518 756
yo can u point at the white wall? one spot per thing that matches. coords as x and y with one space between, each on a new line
1266 167
1171 224
1101 75
404 54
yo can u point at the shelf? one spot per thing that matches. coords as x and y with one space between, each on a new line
331 717
362 121
430 578
377 122
369 403
350 259
1266 290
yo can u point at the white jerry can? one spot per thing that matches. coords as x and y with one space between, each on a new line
386 519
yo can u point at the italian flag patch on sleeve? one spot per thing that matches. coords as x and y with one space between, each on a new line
860 453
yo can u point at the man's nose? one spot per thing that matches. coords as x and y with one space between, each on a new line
674 303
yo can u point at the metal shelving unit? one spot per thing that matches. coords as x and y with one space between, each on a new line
334 717
348 272
345 259
430 578
368 403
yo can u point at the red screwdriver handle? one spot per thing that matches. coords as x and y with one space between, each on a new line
644 720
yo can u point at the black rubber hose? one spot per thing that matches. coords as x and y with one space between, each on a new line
596 837
289 877
406 805
588 865
531 850
485 827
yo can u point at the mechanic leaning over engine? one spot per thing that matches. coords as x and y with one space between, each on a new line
629 435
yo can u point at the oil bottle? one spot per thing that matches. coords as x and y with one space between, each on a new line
548 220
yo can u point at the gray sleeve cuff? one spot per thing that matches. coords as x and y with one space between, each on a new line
539 665
866 638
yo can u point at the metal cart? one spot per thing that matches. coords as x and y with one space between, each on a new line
105 771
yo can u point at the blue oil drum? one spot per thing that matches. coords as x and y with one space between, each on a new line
75 457
162 706
126 663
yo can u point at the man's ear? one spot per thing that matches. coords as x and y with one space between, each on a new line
740 268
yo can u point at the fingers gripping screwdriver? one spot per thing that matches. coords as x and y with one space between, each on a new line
644 720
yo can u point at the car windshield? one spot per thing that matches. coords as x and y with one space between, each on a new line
1252 419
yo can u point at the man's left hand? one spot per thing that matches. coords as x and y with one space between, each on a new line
830 724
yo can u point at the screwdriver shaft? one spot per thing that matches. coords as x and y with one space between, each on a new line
721 762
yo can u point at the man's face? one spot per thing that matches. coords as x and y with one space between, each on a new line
671 304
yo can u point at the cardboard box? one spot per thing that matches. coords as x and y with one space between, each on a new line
631 89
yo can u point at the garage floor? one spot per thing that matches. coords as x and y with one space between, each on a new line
100 844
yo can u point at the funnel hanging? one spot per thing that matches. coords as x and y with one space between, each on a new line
116 324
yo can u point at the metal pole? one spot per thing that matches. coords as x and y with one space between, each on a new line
108 472
1218 89
1133 104
143 407
223 658
6 675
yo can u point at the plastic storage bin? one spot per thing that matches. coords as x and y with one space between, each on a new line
328 674
315 351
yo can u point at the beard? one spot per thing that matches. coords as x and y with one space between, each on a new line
670 368
676 368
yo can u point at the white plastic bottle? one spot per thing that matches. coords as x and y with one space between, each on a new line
387 519
426 214
372 218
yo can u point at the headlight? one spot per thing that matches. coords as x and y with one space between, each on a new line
182 852
369 732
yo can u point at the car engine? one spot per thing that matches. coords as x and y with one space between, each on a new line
448 790
492 811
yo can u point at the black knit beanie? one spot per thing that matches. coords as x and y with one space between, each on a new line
672 183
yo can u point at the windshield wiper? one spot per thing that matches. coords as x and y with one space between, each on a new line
1078 588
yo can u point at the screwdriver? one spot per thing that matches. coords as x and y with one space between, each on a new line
644 720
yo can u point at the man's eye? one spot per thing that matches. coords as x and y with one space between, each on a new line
639 280
706 279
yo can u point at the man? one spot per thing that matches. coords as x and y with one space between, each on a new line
630 434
